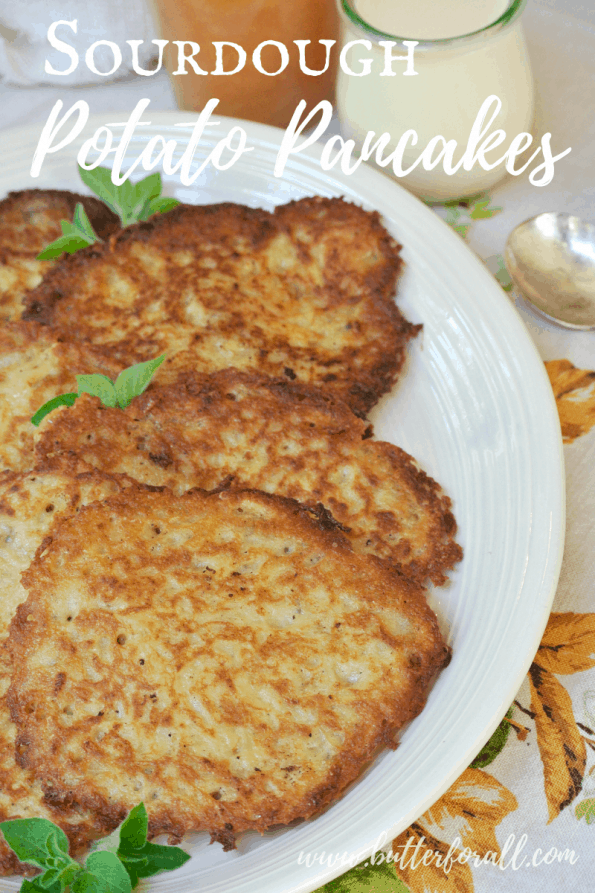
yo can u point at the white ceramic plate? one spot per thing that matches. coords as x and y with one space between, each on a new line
476 409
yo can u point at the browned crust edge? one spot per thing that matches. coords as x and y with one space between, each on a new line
260 226
350 763
210 388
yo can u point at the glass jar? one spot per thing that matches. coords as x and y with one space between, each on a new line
250 93
454 76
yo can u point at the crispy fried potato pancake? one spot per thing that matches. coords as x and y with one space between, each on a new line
31 505
29 221
273 435
224 657
33 369
306 292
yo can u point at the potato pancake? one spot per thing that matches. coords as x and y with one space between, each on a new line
34 367
306 291
29 221
224 657
30 507
273 435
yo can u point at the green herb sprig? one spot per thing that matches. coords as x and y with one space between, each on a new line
130 201
129 384
75 235
460 214
115 866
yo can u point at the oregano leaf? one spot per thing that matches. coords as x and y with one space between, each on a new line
133 381
75 235
128 385
33 886
29 839
54 403
63 245
160 858
159 205
109 870
141 858
83 224
41 843
99 181
98 386
85 882
130 201
134 829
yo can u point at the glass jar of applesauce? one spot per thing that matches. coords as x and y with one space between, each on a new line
465 52
270 83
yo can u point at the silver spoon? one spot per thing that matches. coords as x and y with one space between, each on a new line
551 260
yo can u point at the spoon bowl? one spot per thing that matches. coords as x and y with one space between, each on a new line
551 261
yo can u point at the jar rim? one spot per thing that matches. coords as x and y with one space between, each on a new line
513 10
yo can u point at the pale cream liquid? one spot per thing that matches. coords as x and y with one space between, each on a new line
443 98
430 19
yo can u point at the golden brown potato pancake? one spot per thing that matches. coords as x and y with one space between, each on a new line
224 657
34 367
273 435
29 221
31 505
306 291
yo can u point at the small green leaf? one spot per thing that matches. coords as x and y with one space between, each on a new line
130 201
492 748
75 235
86 882
497 267
453 217
99 181
35 840
133 831
481 210
154 857
108 869
63 245
136 198
129 384
60 877
134 380
134 865
159 205
379 878
98 386
33 886
54 403
146 190
83 224
141 858
586 810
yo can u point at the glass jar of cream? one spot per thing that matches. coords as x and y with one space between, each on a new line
462 53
